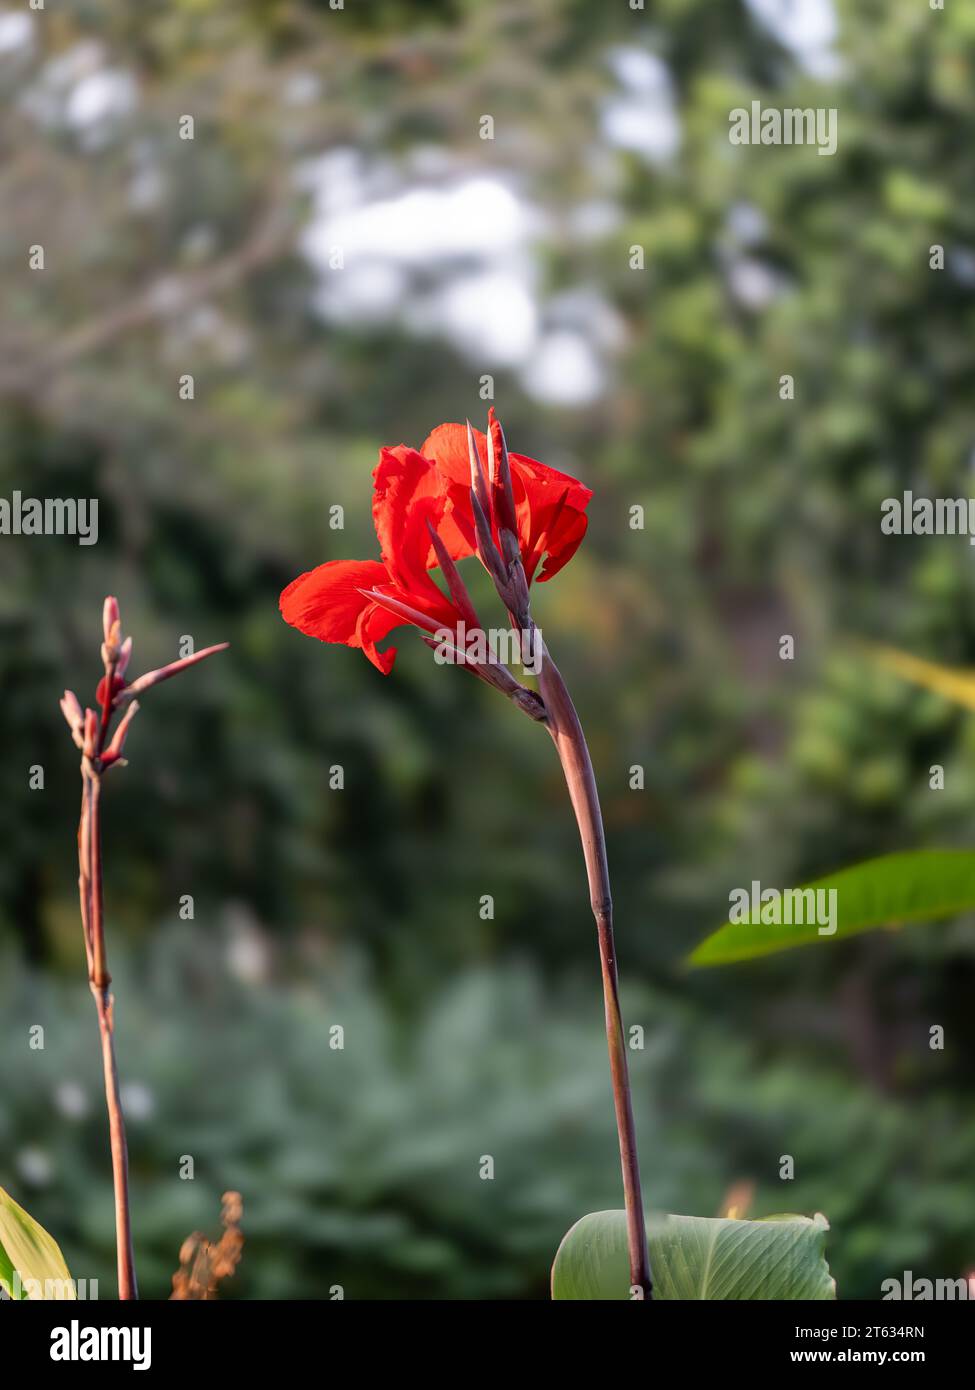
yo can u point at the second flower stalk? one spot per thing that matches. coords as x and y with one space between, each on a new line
102 748
499 550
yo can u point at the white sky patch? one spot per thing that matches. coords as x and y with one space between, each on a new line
747 223
753 283
807 28
478 217
454 259
469 239
301 88
71 1099
492 314
138 1102
45 100
594 220
643 116
76 91
147 188
102 96
35 1166
16 32
366 292
564 370
584 311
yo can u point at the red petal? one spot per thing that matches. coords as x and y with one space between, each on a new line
539 492
408 492
326 603
447 447
563 544
555 504
375 624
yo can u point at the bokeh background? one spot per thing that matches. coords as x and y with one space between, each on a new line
360 130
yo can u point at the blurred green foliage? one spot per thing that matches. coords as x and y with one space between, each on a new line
762 518
361 1164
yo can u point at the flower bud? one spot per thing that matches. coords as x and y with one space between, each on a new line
113 752
91 726
71 709
111 621
124 656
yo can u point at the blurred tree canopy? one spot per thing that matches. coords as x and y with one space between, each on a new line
165 257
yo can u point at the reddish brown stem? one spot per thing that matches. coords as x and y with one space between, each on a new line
570 742
506 568
90 733
93 917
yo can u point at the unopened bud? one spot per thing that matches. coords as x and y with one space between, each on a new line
110 621
113 752
71 709
499 475
72 713
151 678
478 482
124 656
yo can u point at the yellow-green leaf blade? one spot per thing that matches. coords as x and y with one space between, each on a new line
27 1250
947 681
892 891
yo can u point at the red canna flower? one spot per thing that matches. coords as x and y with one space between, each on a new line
424 520
463 494
550 507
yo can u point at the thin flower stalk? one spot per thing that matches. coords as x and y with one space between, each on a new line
563 724
90 732
432 507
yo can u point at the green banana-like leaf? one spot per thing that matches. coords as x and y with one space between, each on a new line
27 1249
698 1257
910 886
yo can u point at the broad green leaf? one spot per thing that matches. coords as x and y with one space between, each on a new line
911 886
955 685
698 1257
27 1249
